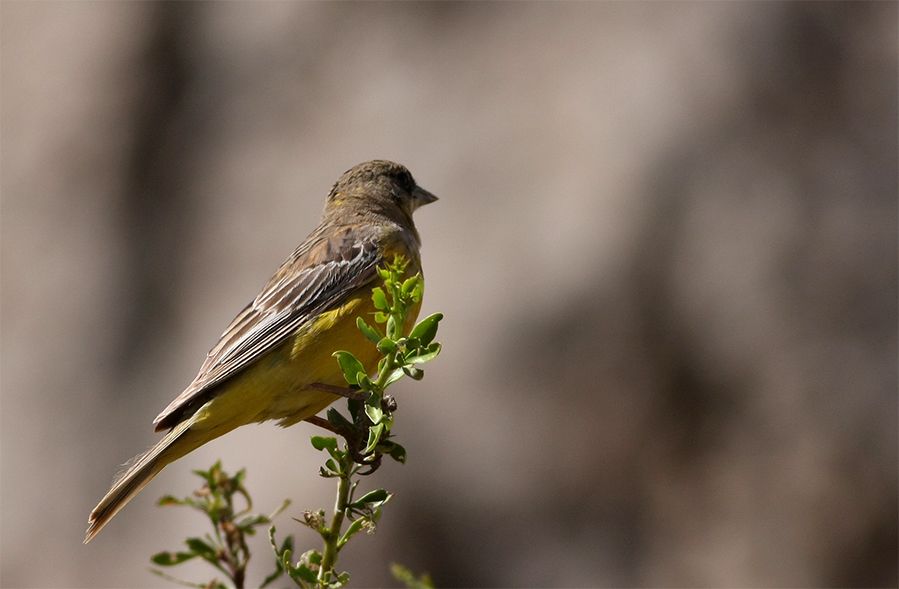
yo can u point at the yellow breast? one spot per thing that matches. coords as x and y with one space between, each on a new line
277 386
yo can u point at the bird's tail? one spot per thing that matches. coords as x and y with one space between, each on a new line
144 467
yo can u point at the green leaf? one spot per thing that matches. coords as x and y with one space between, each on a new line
399 263
324 442
337 419
351 531
410 284
172 500
305 573
386 345
380 317
394 376
418 291
372 499
374 436
355 406
350 365
313 556
370 332
284 553
287 544
207 476
271 539
248 523
362 381
202 549
413 372
168 559
397 452
202 473
280 509
392 331
379 298
374 412
426 329
431 352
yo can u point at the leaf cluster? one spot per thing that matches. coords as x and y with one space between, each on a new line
401 355
225 548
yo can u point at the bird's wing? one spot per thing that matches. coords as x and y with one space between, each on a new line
319 276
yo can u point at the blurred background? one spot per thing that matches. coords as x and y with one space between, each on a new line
666 248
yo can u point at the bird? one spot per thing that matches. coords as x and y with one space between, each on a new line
274 361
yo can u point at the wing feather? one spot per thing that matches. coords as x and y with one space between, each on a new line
319 276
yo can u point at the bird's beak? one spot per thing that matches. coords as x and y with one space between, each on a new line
421 197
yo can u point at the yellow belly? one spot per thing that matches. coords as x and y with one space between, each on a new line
277 385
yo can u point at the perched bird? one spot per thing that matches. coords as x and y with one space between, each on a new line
279 347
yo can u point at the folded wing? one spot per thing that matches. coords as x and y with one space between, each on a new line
318 276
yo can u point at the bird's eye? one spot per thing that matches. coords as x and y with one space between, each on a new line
406 181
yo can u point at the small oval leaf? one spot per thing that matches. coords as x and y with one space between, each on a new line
377 497
368 331
391 327
374 436
426 329
431 352
379 298
394 376
350 366
386 345
323 442
410 284
398 453
375 413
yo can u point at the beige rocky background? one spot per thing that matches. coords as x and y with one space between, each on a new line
666 249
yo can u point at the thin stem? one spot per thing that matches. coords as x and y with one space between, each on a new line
322 423
332 534
347 460
389 367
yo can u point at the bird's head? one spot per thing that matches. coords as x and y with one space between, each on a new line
378 186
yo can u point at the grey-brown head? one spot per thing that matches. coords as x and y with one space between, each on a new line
378 186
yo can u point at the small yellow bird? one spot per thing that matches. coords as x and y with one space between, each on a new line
269 361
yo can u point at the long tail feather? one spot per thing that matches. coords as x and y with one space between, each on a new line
145 467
